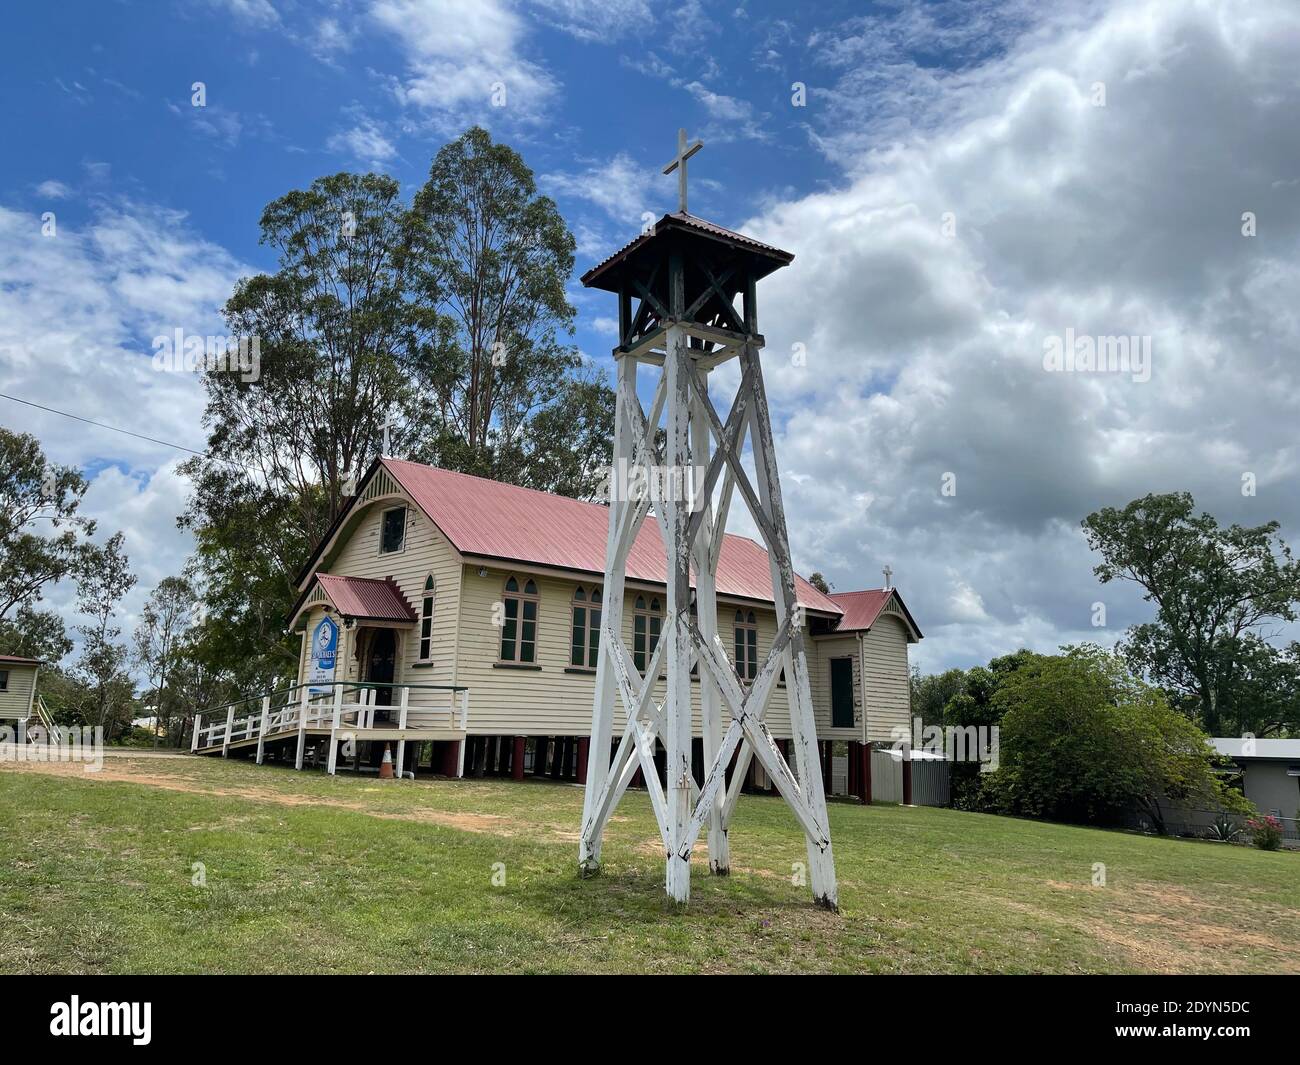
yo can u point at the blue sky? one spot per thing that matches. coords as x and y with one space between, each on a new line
110 108
297 90
955 191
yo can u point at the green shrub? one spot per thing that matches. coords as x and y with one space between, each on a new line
1265 832
1083 740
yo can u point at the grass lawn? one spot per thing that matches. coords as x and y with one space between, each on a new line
310 874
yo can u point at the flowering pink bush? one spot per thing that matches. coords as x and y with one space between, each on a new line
1265 832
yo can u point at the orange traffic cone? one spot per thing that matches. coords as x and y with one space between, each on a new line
386 766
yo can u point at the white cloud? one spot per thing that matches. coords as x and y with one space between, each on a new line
731 118
465 61
595 20
924 350
329 37
365 141
259 14
621 187
218 123
53 190
78 312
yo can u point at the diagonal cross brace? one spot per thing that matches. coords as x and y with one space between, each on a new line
747 710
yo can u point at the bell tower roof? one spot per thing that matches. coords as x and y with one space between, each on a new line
693 237
684 270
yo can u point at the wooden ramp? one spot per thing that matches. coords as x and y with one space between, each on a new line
337 713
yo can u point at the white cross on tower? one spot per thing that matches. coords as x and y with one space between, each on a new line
888 574
679 164
390 423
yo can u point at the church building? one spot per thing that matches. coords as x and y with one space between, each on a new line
431 580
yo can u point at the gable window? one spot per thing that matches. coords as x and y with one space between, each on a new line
647 623
584 643
519 630
392 534
4 680
426 620
746 645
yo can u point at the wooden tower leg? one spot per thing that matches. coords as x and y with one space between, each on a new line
598 801
677 710
803 728
706 604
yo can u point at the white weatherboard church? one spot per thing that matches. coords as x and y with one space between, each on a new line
436 580
467 621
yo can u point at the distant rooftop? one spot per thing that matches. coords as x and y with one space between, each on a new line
1281 750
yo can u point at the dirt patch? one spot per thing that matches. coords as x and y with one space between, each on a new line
654 847
1163 943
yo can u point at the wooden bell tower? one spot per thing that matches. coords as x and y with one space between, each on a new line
677 286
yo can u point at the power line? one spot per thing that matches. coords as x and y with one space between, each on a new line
116 429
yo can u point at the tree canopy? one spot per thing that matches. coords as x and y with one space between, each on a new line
1083 740
445 320
1216 591
42 538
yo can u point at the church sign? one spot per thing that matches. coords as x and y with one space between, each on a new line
324 654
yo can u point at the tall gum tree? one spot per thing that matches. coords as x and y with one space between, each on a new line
1219 595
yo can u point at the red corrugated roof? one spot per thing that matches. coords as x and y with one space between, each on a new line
15 660
366 597
862 608
503 521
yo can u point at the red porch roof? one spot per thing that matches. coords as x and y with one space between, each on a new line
366 597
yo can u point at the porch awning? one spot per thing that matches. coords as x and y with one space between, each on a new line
363 598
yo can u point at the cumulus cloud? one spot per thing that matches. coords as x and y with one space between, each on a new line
78 314
364 141
945 261
465 61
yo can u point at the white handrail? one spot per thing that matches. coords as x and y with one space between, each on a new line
322 710
47 721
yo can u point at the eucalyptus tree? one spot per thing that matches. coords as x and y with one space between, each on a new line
1220 595
102 582
444 323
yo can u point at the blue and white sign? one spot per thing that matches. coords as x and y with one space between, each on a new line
324 655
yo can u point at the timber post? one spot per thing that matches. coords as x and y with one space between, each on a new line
401 724
261 732
334 726
302 726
